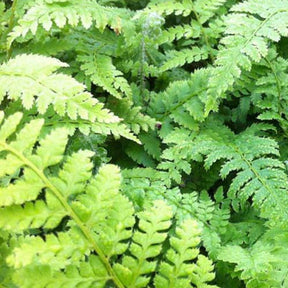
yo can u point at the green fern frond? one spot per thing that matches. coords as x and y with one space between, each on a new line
19 155
99 219
37 78
132 115
261 264
61 199
207 9
46 89
179 271
170 7
259 174
140 156
178 32
134 270
249 29
86 127
143 186
58 251
72 12
182 101
110 221
185 56
269 90
100 69
84 275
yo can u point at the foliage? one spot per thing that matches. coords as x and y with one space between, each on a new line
143 143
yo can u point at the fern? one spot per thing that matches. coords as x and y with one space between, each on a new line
144 186
49 87
146 245
201 85
258 174
183 250
179 58
66 94
179 102
243 47
46 13
96 67
263 264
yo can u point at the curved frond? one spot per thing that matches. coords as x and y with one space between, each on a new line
249 29
46 13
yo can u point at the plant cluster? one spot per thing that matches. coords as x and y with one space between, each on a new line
143 143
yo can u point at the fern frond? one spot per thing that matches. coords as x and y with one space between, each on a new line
269 90
259 174
48 90
185 56
36 77
178 271
46 13
27 187
261 264
249 29
85 275
182 101
84 209
33 215
176 33
116 129
207 9
170 7
134 270
110 222
103 73
100 219
58 251
144 186
132 115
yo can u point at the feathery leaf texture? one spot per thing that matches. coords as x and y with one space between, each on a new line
249 29
178 270
45 13
100 219
154 70
262 264
37 78
253 158
103 73
40 85
258 173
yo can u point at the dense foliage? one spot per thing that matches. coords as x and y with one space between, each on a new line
143 143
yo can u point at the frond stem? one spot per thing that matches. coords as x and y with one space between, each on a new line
10 26
70 211
278 85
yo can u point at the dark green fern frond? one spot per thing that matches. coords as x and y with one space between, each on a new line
260 174
132 115
181 102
